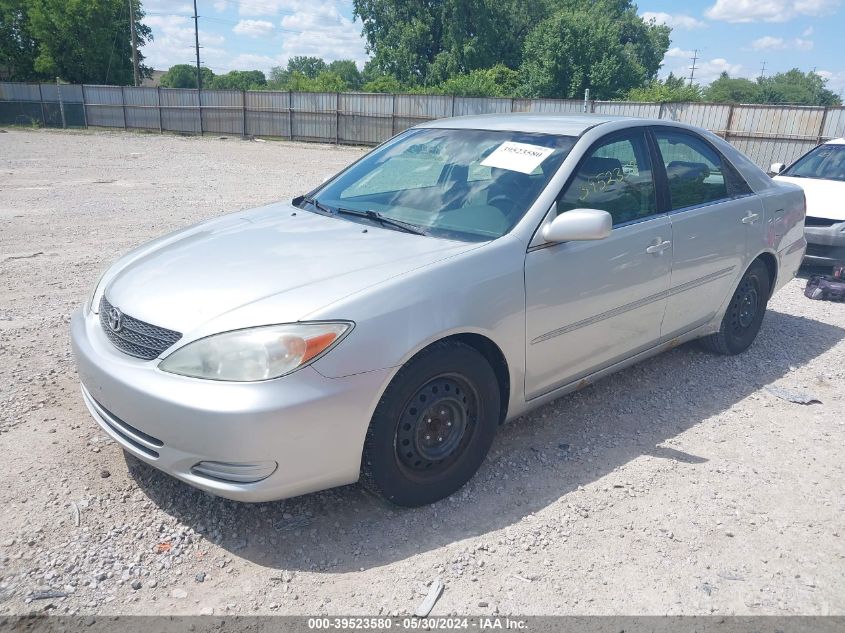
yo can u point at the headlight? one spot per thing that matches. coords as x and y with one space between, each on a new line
255 354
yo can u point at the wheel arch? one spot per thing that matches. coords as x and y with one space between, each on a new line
771 264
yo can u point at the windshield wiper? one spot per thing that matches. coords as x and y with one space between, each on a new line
408 227
315 203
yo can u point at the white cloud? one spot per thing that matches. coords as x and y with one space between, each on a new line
769 43
835 80
768 10
807 32
676 21
254 28
174 43
679 52
321 30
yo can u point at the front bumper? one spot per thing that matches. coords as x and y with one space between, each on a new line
311 426
825 244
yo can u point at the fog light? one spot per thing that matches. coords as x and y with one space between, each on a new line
236 473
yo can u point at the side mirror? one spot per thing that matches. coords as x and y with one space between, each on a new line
579 224
776 168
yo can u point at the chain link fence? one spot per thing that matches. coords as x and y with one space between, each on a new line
766 133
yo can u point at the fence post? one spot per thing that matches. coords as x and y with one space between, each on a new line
158 100
243 113
290 115
392 113
84 107
199 106
337 118
41 100
730 122
821 126
453 106
123 106
660 110
61 103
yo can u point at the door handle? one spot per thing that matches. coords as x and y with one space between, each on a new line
750 218
659 247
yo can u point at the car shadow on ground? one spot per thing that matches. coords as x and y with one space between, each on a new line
535 461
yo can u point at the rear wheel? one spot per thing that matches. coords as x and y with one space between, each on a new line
433 426
744 315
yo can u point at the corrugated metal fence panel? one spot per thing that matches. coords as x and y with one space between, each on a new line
548 105
834 124
19 92
481 105
180 110
142 110
223 112
793 122
710 116
764 152
104 106
314 115
365 118
413 109
268 113
70 93
623 108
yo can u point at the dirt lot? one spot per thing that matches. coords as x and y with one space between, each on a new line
678 486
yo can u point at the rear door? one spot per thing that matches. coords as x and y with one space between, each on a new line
590 304
714 214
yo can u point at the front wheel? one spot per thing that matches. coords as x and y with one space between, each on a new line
744 315
433 426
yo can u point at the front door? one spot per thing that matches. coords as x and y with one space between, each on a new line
590 304
713 213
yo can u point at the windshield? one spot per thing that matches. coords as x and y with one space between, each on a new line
826 162
459 184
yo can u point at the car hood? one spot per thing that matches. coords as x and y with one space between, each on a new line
825 198
274 264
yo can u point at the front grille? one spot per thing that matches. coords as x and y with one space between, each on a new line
135 337
811 221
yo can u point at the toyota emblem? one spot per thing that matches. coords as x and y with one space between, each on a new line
115 319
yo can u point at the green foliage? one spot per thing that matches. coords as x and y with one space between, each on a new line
425 43
18 48
348 72
672 89
185 76
308 66
328 81
793 87
83 41
382 83
498 81
604 46
238 80
727 89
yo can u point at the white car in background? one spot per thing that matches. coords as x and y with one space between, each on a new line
821 174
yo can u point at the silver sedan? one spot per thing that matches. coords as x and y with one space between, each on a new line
382 326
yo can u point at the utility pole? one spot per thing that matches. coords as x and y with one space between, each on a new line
134 43
692 68
197 44
763 70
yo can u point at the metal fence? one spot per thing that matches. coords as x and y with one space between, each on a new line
766 133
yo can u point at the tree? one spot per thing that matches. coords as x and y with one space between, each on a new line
238 80
727 89
605 47
425 43
498 81
797 87
347 70
185 76
18 48
328 81
308 66
85 41
672 89
382 83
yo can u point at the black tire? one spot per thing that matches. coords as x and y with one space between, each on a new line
744 315
432 427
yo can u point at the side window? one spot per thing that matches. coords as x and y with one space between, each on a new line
696 173
616 177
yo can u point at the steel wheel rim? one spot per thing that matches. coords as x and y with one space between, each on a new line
436 424
746 305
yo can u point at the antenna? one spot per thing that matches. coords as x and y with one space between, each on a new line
692 68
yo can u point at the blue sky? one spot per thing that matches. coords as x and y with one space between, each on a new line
733 35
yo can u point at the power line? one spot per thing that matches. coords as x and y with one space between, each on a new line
692 68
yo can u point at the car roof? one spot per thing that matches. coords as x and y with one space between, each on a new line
836 141
563 124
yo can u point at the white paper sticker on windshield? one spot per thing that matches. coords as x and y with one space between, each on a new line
520 157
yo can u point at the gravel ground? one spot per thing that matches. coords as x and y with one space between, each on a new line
679 486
